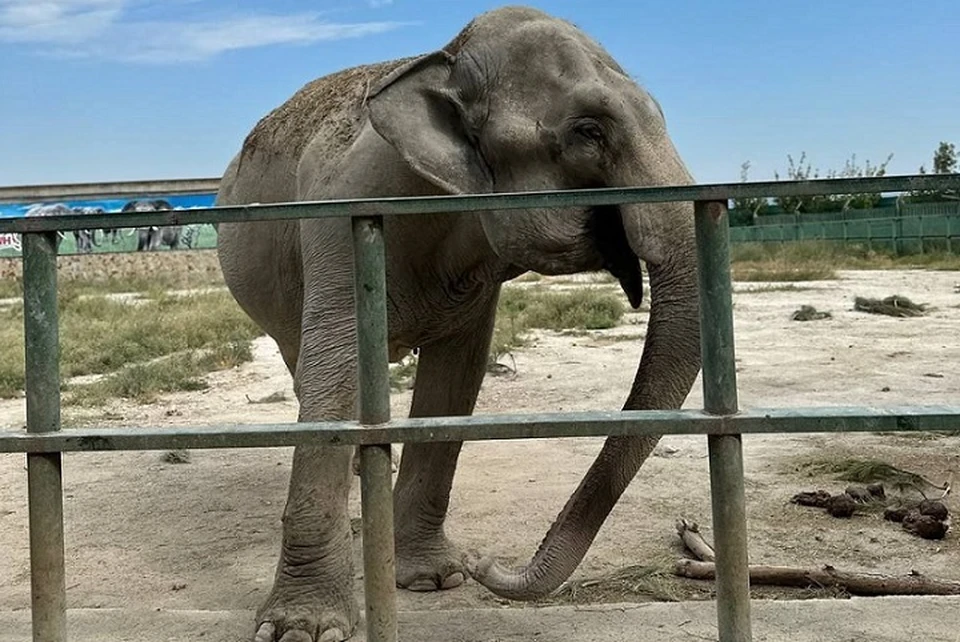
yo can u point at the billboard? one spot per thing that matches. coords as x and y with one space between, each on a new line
117 240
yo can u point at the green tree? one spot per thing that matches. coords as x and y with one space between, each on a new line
803 171
746 210
945 159
944 162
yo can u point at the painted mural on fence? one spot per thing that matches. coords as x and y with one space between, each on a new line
113 239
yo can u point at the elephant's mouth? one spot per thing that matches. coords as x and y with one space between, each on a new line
605 227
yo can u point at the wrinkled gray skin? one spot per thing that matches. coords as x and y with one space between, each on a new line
518 101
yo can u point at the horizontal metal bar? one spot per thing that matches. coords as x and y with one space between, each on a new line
489 427
480 202
118 189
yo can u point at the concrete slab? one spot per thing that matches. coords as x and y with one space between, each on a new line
893 619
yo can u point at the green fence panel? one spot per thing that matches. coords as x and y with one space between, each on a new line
931 209
910 227
936 226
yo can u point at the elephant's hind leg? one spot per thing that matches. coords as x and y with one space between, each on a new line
449 374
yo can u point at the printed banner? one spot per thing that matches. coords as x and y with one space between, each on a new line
174 237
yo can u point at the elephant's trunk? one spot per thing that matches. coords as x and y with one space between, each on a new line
667 370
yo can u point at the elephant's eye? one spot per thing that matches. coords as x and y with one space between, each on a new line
590 130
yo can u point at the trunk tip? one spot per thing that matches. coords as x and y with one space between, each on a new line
478 566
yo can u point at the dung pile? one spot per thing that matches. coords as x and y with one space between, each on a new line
843 504
892 306
928 519
809 313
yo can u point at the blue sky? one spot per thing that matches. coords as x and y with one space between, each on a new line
128 89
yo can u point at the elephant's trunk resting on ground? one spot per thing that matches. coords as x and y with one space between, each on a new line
672 339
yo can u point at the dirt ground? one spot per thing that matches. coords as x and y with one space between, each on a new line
205 535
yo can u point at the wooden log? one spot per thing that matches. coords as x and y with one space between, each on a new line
867 584
689 532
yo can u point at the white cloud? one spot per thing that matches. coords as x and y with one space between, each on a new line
379 3
98 28
57 21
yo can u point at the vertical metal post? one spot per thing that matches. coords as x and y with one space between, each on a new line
44 481
376 480
720 398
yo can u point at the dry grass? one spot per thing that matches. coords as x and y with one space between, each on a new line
779 271
658 583
869 471
403 374
100 335
816 260
145 382
773 287
523 309
130 272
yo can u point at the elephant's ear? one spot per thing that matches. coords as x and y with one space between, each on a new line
418 111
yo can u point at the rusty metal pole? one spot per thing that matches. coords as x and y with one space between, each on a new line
376 478
44 480
720 398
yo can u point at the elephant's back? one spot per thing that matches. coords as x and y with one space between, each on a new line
329 108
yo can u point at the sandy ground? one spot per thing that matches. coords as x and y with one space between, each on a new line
205 535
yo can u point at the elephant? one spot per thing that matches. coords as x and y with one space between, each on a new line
86 240
51 209
519 100
151 238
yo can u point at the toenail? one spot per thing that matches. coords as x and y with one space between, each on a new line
453 580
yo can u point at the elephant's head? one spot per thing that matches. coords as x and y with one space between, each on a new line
521 101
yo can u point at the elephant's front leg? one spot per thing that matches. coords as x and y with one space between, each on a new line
449 374
312 598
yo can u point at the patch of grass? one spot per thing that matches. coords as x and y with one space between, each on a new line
869 471
11 358
123 272
861 471
582 308
144 382
778 287
572 310
403 374
824 255
778 271
651 583
100 335
606 339
922 435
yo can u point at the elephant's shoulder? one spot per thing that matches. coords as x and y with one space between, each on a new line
332 103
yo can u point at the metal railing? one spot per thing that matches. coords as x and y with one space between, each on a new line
721 420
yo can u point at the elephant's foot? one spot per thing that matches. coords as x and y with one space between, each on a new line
307 614
428 564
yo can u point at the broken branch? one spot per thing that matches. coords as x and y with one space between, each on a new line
690 534
867 584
